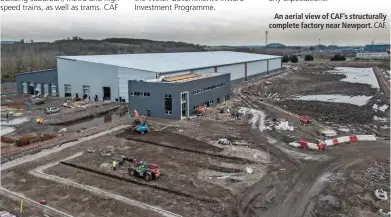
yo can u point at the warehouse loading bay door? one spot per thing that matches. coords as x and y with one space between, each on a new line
106 93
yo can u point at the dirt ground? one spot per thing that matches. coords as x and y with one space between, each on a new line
13 206
307 80
217 164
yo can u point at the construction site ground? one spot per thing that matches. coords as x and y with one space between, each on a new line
256 174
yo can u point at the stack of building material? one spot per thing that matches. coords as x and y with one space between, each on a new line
179 77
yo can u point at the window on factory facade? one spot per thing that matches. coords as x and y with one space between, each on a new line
140 94
168 104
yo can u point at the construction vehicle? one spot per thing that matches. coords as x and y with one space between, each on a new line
125 159
305 120
144 169
140 123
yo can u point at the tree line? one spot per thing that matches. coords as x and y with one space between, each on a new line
27 56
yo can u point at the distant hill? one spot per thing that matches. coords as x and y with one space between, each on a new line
21 57
275 45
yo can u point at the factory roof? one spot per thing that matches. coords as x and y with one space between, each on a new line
45 70
172 62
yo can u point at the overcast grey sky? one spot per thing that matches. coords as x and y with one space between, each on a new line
232 23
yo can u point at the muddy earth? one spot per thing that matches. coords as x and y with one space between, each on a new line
237 160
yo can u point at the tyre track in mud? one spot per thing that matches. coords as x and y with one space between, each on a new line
305 180
298 177
130 180
221 156
38 172
252 194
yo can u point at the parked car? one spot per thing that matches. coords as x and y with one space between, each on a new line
52 110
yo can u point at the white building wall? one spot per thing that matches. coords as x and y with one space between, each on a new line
204 71
237 70
176 73
258 67
79 73
126 74
382 55
274 64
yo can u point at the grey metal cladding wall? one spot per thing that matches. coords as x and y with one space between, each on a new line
199 98
155 102
45 76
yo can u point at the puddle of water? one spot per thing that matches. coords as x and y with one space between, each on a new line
93 122
336 98
6 130
15 121
358 75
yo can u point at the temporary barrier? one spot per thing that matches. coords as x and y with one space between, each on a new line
343 139
303 144
353 139
348 139
294 144
313 146
366 138
309 145
329 142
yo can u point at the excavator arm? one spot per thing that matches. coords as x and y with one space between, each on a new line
137 119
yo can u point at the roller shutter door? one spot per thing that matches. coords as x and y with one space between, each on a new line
53 88
24 87
45 89
38 89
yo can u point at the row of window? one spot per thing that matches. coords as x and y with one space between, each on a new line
207 104
140 94
208 88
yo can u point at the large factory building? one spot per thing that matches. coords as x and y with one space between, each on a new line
106 77
178 97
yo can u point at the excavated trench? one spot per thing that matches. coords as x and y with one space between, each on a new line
134 181
221 156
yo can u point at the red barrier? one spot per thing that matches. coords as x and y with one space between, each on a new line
303 144
353 138
335 141
321 146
